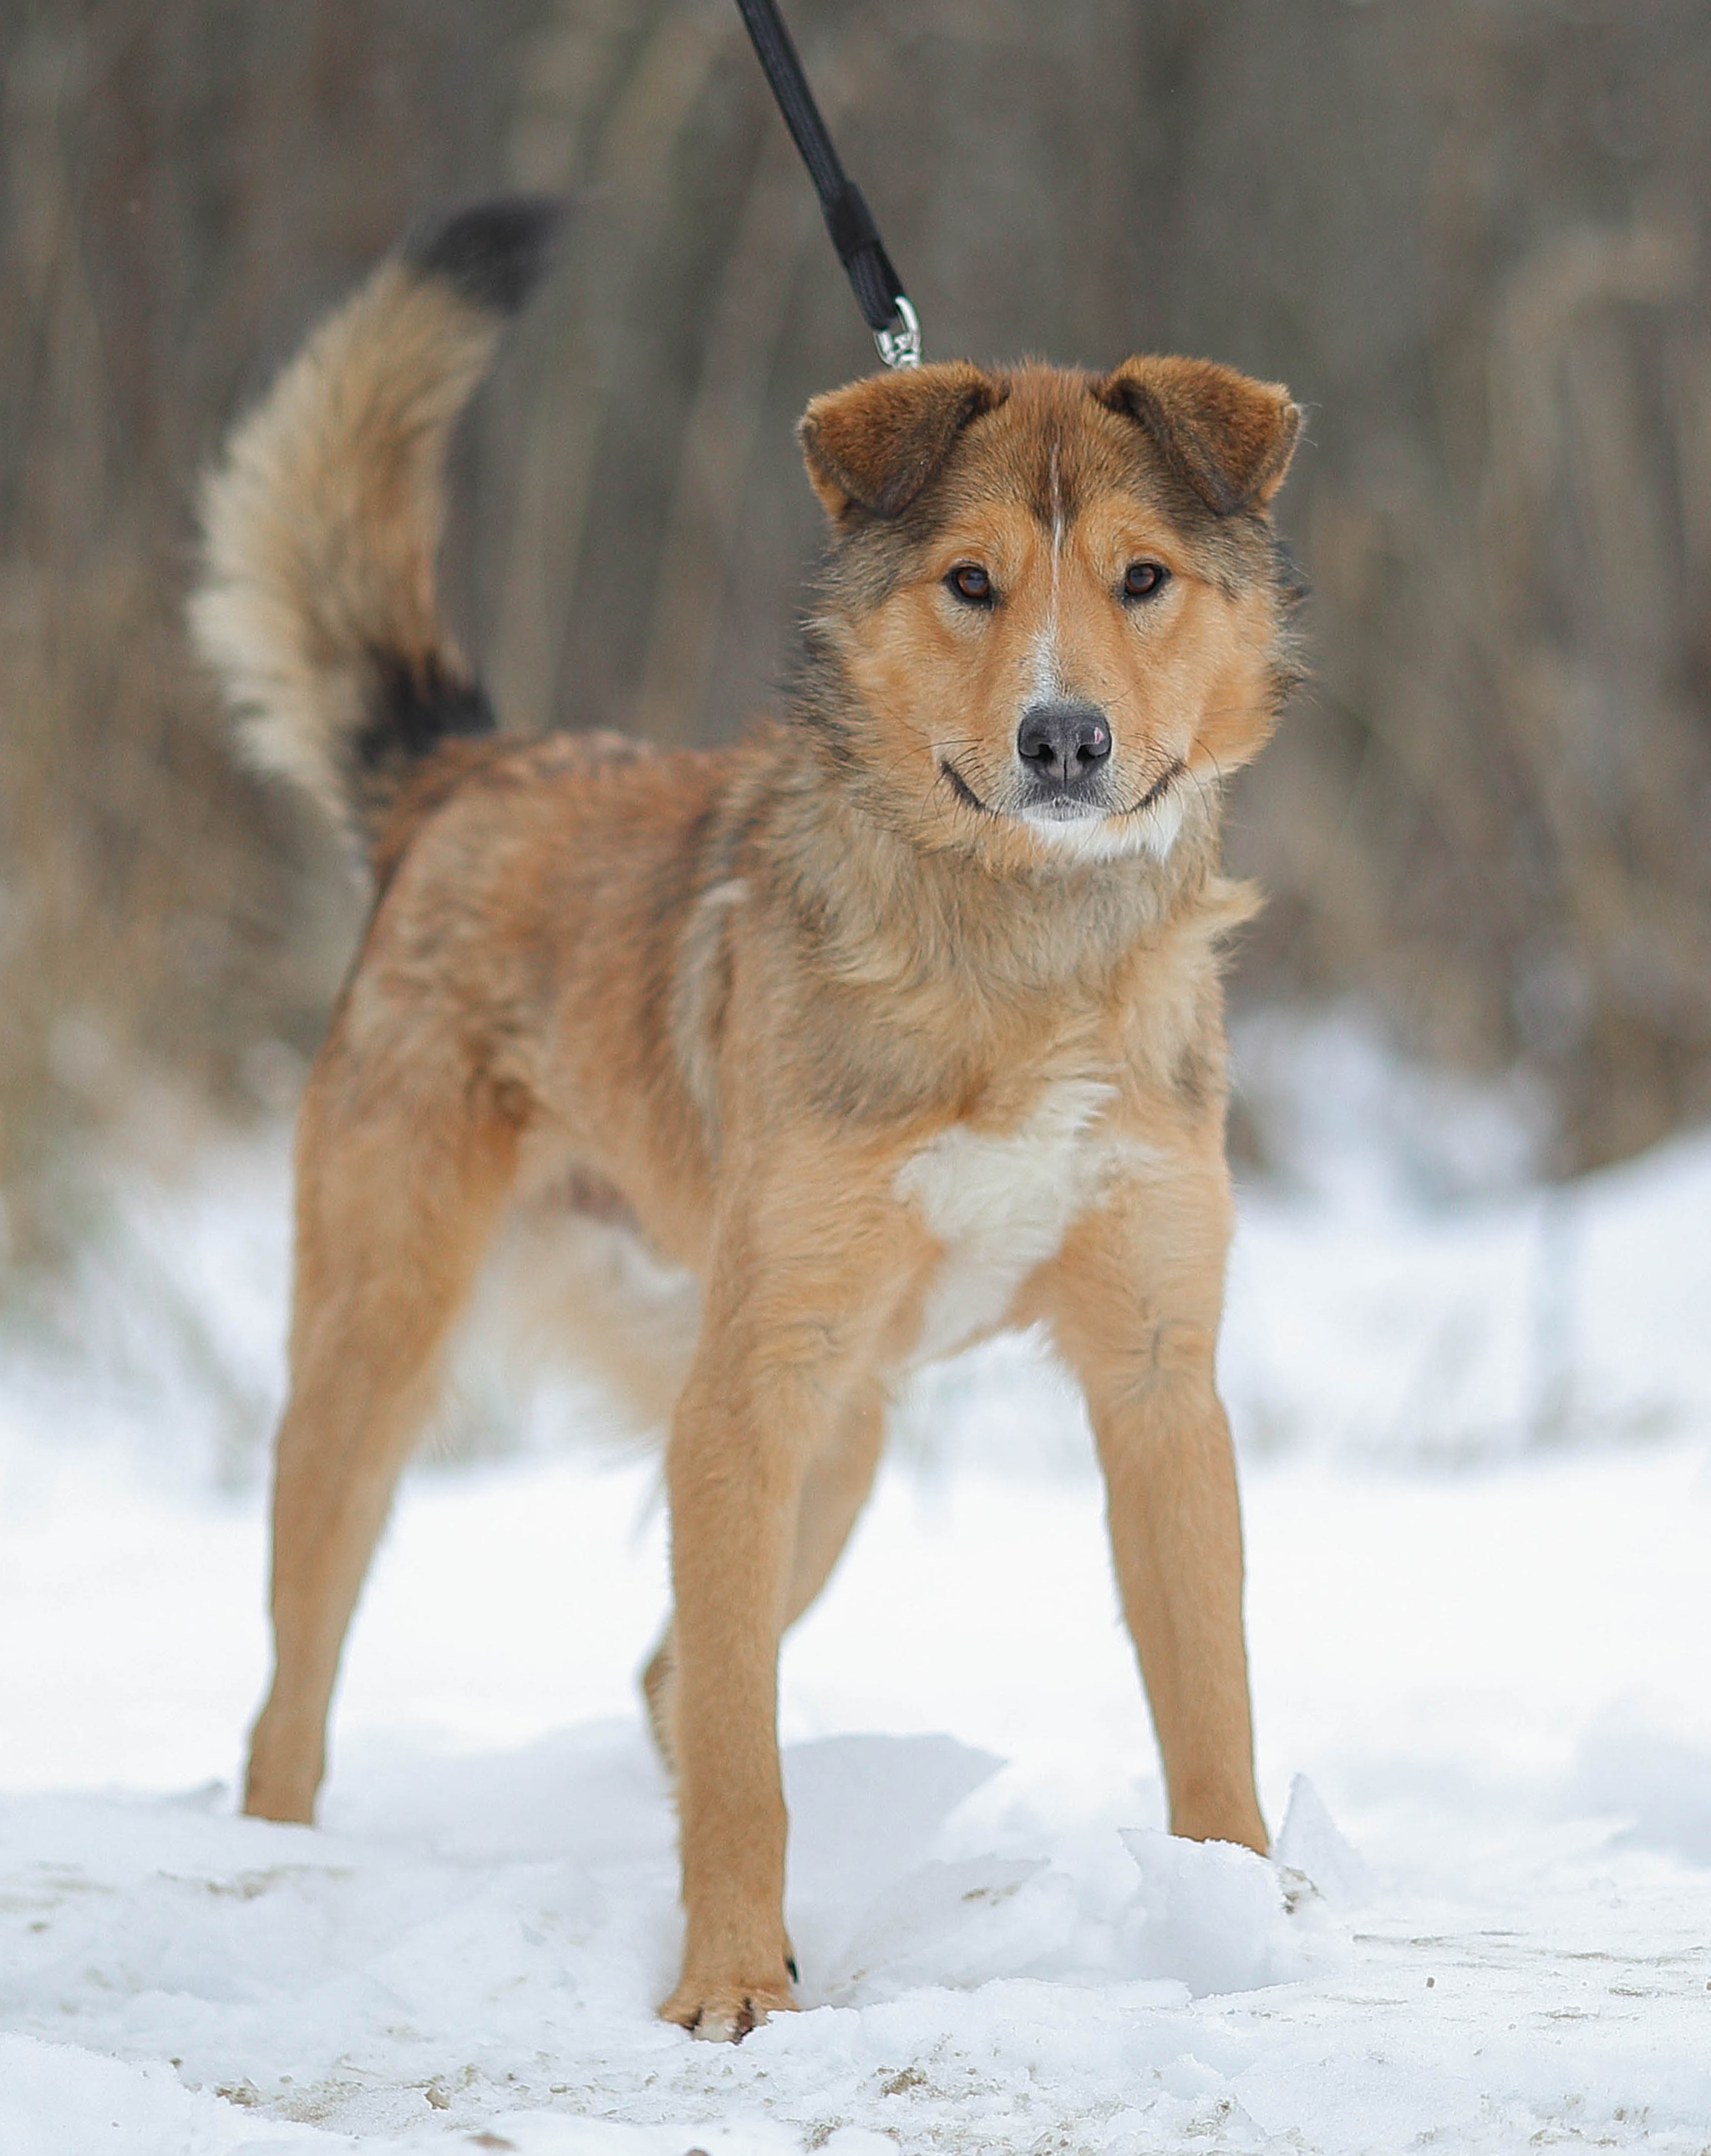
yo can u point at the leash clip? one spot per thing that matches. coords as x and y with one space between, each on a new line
849 221
901 346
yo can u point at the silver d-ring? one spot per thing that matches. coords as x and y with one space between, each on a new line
901 347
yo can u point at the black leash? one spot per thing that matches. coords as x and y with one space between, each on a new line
879 291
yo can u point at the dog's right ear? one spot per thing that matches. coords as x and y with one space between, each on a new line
875 444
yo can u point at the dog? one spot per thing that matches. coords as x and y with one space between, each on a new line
897 1023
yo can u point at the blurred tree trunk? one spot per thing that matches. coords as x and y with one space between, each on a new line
183 188
1466 232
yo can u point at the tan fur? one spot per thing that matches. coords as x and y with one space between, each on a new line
850 1037
323 524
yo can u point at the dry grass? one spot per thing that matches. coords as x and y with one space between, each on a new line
1466 232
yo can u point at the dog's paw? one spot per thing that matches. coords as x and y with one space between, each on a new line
725 2013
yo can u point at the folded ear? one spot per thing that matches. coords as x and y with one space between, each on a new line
1230 437
875 444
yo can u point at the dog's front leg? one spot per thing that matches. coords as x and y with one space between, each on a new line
771 1379
834 1490
1134 1301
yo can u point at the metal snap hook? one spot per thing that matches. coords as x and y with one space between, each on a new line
901 347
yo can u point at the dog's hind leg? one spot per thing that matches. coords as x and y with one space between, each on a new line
834 1491
402 1171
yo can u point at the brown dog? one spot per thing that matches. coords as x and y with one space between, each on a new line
898 1023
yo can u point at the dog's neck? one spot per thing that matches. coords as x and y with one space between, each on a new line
881 900
919 979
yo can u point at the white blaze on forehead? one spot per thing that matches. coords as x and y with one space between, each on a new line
1045 680
1048 683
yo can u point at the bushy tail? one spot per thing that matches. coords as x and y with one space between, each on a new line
317 601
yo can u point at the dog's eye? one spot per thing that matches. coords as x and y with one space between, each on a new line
1141 579
970 583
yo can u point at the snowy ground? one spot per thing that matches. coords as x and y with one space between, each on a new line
1478 1489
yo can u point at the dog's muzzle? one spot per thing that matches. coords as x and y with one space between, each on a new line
1063 749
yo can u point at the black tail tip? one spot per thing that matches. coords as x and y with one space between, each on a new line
492 253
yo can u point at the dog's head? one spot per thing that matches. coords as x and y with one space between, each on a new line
1055 604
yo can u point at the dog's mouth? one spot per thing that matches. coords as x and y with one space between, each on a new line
1037 806
964 793
1058 806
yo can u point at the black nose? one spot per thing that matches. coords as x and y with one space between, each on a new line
1063 744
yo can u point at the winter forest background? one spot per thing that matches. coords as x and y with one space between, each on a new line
1469 233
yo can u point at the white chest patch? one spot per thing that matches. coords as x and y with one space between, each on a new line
1001 1203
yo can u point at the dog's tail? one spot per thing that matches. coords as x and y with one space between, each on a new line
317 603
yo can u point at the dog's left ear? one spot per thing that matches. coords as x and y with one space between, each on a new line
1230 437
875 444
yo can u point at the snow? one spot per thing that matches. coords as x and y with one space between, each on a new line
1476 1432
